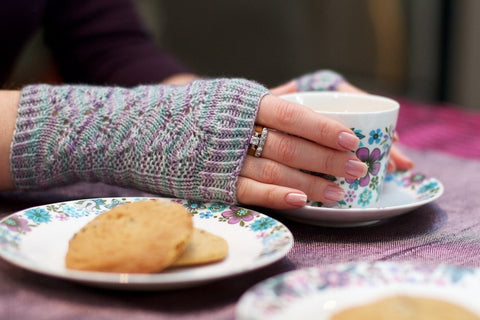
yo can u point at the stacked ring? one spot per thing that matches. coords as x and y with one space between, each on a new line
257 141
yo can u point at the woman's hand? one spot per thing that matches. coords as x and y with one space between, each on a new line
298 138
333 81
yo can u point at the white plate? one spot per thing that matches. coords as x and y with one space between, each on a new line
402 192
36 239
318 293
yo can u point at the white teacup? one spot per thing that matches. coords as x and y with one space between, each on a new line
373 119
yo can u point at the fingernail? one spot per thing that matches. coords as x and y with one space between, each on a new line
348 141
296 199
333 193
356 168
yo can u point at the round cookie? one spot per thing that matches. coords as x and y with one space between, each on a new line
407 308
138 237
204 247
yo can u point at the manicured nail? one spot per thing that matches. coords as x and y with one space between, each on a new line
356 168
348 141
333 193
296 199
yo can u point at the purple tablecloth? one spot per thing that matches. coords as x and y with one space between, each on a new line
445 231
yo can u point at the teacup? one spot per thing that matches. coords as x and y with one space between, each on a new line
372 118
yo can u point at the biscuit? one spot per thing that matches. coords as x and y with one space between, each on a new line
407 308
138 237
204 247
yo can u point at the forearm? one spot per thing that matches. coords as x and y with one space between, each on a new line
8 108
184 141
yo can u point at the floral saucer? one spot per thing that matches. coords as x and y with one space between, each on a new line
402 192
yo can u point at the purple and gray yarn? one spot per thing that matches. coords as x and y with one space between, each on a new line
183 141
323 80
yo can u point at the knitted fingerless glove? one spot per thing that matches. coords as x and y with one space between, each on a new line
183 141
322 80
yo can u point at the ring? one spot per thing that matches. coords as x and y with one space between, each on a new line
257 141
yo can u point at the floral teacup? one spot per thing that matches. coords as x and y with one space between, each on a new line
372 118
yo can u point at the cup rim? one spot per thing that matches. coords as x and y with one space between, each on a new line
334 94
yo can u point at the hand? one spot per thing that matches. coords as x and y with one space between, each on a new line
298 138
398 161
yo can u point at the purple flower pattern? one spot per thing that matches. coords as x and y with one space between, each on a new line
236 215
373 162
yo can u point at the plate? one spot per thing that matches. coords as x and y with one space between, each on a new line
320 292
402 192
37 238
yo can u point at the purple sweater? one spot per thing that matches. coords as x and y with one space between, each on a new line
93 41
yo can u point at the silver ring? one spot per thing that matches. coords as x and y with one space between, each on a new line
257 141
261 143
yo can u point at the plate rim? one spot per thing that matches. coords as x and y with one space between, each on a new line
244 302
145 281
373 215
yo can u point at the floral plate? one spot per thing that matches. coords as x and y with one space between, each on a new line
36 239
402 192
320 292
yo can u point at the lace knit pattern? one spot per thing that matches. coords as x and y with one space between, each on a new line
323 80
183 141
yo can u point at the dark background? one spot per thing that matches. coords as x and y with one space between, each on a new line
427 50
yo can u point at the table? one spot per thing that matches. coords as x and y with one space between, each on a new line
440 140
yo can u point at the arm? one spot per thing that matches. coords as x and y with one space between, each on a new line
8 108
105 42
185 141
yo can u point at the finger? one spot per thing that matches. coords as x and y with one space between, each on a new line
270 172
251 192
402 162
301 121
285 88
391 167
303 154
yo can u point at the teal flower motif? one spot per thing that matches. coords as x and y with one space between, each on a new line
73 211
360 136
428 187
354 184
365 197
263 224
99 202
375 136
217 207
194 206
205 215
39 215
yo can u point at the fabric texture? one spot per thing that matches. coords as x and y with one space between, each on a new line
322 80
183 141
100 42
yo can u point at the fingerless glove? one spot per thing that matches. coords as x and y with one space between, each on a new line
183 141
322 80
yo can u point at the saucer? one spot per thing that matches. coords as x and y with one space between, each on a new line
402 192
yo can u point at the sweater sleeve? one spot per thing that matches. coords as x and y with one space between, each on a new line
104 42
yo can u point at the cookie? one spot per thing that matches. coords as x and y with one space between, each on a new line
204 247
407 308
138 237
